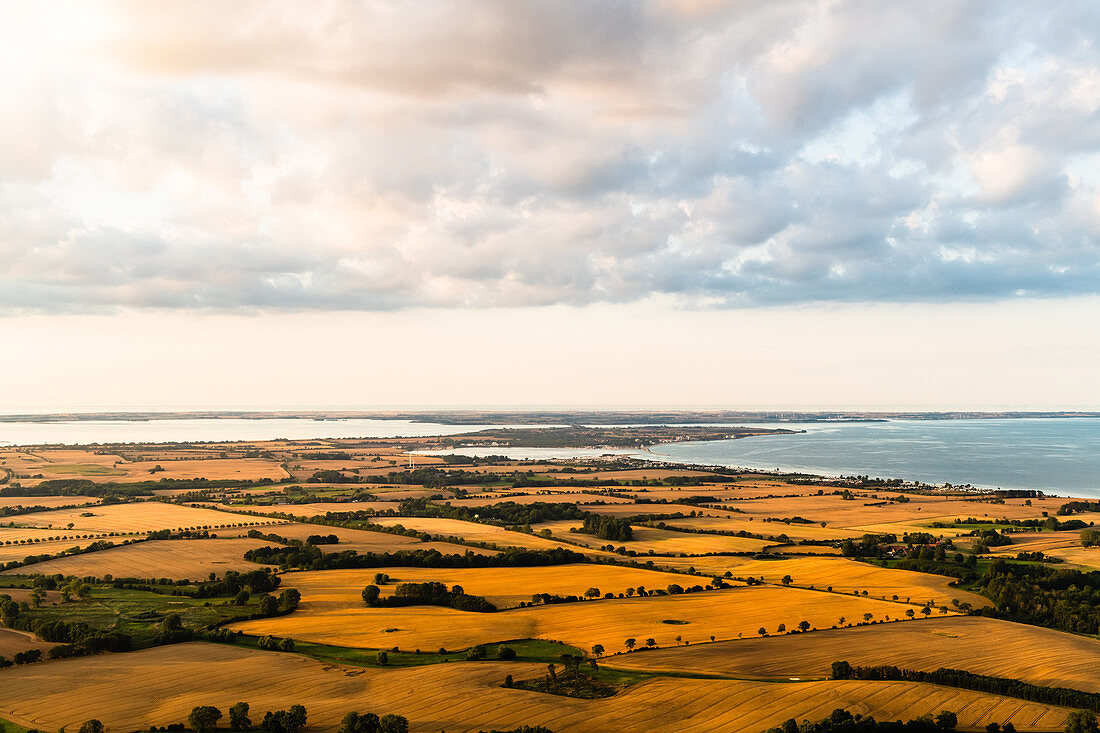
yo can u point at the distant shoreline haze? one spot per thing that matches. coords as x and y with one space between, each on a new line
599 417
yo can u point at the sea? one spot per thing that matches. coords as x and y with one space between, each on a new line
1056 455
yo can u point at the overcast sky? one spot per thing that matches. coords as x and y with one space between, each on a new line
783 202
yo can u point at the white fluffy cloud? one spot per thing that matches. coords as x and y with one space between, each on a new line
376 155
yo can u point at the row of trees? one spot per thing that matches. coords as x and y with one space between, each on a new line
842 721
1063 696
311 558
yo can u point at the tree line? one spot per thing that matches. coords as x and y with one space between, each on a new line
1063 696
311 558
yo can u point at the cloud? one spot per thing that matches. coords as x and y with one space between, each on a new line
379 156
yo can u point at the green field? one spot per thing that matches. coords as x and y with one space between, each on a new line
138 613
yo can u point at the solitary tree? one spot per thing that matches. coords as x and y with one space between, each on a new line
946 720
91 726
1081 721
630 643
787 580
651 642
803 625
592 593
269 606
238 717
762 631
204 718
382 658
370 594
597 649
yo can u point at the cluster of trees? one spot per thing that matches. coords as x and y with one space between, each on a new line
311 558
1063 599
570 682
607 528
1072 507
205 718
332 456
989 538
332 476
431 593
254 581
354 722
74 638
1063 696
29 656
275 644
842 721
1090 538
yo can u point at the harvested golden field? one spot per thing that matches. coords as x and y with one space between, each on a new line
321 508
633 510
661 541
175 559
55 501
804 550
695 617
161 685
31 538
362 540
12 642
840 573
240 469
471 531
838 512
554 497
1087 558
793 530
978 645
1041 541
20 551
143 516
504 587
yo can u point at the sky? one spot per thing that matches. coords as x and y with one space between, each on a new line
783 203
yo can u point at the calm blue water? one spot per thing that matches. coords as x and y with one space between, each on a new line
1060 456
1055 455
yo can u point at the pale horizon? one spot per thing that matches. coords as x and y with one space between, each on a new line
711 204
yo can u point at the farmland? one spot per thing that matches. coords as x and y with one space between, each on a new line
982 646
840 574
724 614
176 560
132 691
134 518
504 587
635 592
